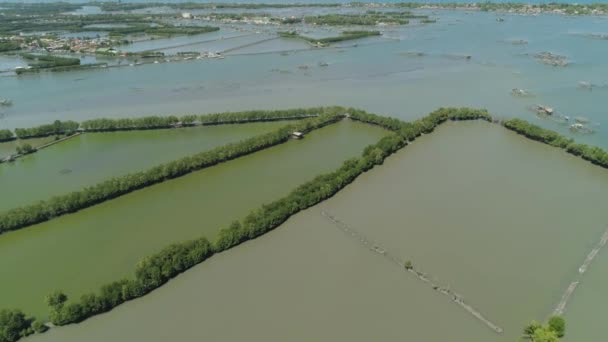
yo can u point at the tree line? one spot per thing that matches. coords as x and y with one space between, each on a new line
153 271
369 18
63 204
161 122
56 128
592 154
9 46
6 135
411 130
49 61
15 325
154 122
346 35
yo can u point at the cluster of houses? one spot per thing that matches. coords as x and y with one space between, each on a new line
60 44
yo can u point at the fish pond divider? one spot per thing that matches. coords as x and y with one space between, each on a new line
455 297
155 270
560 308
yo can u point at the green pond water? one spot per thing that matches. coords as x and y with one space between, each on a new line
90 158
502 220
80 252
10 147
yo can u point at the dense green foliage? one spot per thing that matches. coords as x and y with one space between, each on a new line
154 122
346 35
593 154
9 46
49 61
6 135
368 18
557 324
161 30
13 325
148 122
552 332
118 186
150 273
25 149
411 130
57 127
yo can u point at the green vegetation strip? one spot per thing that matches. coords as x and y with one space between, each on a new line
9 46
368 18
56 128
157 122
6 135
154 271
346 35
592 154
59 205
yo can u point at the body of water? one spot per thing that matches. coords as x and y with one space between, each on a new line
510 246
94 157
380 74
82 251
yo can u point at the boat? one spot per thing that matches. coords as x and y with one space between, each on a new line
6 102
581 120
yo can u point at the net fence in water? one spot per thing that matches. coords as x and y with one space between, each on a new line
377 249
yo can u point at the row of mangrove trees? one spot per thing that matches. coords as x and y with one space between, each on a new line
155 270
118 186
158 122
593 154
345 35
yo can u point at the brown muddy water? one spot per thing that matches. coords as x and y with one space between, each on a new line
501 220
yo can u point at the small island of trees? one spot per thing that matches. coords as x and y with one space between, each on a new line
553 331
346 35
